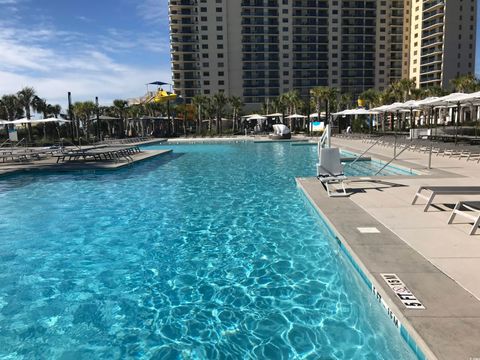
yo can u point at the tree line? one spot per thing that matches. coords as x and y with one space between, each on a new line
205 113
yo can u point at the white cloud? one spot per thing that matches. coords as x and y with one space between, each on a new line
86 70
153 11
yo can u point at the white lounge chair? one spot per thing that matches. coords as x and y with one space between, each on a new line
281 131
330 170
444 190
472 206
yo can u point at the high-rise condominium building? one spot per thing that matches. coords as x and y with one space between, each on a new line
259 49
439 40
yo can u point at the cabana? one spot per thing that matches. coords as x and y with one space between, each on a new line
296 117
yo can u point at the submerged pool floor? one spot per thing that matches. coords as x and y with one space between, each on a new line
208 252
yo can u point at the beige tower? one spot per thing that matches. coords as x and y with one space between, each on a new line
440 41
259 49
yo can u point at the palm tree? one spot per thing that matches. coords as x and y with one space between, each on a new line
199 101
371 98
219 102
237 105
346 100
292 100
465 83
404 89
26 97
319 95
11 107
120 108
324 94
434 91
84 111
40 106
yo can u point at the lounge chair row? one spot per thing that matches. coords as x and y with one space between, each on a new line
461 151
108 153
125 141
468 209
23 154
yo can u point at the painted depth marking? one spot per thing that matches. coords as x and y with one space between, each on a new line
402 292
368 230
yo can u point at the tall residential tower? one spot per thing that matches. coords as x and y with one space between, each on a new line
259 49
439 40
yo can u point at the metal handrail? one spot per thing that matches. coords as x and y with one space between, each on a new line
323 139
359 156
394 158
62 141
19 142
4 143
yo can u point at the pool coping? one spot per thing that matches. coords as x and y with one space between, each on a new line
373 254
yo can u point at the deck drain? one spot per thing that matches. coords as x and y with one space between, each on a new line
368 230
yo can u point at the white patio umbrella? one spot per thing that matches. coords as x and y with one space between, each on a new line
48 120
256 117
274 115
18 121
297 116
355 112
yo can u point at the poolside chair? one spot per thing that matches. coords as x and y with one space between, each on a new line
472 206
444 190
330 170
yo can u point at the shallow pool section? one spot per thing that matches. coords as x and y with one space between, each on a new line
209 252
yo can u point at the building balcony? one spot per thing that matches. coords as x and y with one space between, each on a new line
433 4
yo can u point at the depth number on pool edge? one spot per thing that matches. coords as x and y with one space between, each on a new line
403 293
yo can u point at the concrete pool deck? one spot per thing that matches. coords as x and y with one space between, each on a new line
439 263
50 164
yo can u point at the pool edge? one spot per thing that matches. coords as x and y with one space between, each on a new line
406 330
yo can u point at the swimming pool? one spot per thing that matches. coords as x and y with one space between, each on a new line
370 168
207 252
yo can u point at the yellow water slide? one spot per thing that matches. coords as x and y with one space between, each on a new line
161 96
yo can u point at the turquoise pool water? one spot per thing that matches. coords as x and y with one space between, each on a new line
209 252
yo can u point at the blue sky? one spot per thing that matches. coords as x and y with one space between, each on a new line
105 48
